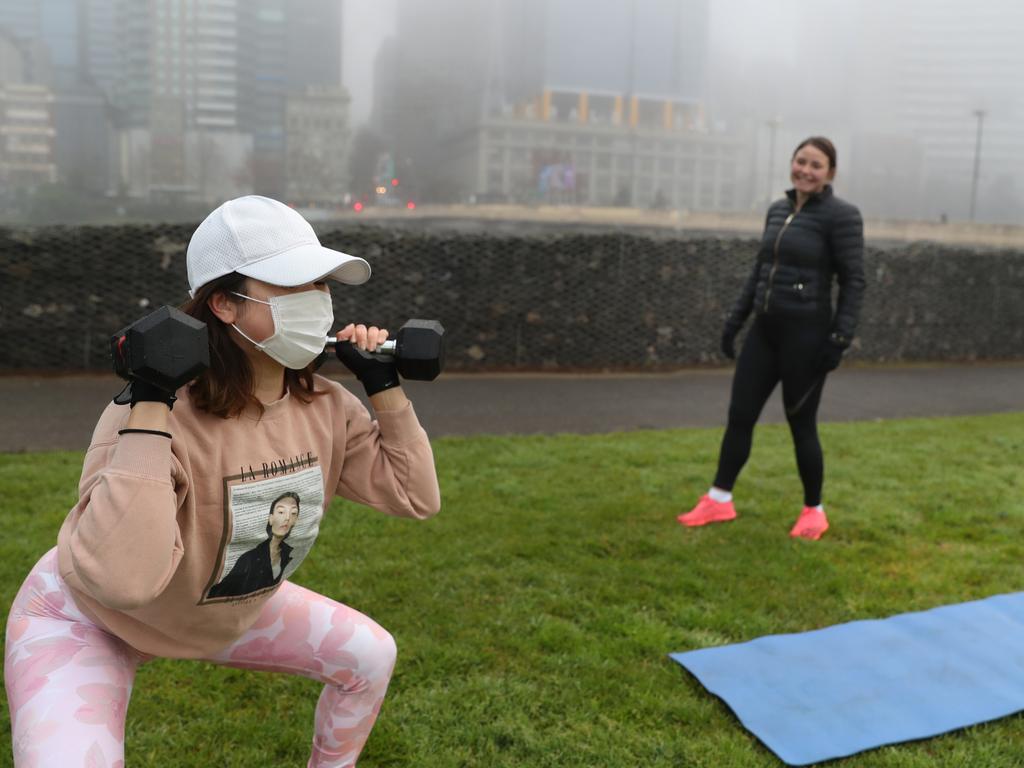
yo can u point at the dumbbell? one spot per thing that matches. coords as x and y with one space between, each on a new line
417 349
166 348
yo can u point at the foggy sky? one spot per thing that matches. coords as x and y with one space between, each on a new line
365 25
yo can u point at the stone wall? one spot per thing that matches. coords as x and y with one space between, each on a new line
529 301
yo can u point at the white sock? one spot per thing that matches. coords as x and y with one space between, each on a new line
820 508
717 494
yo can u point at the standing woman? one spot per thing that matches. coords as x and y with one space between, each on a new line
176 488
810 236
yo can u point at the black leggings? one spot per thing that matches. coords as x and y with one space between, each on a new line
777 349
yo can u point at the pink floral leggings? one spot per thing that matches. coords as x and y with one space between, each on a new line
68 681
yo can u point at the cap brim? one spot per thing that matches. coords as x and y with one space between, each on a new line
308 264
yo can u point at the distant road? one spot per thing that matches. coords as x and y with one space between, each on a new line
60 412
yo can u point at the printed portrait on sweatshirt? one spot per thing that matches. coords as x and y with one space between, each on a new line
273 525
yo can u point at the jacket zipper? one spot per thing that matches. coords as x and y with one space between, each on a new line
775 260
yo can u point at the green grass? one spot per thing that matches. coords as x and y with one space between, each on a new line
534 615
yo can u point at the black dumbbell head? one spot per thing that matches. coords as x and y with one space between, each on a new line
419 350
166 349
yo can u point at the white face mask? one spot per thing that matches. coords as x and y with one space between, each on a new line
301 323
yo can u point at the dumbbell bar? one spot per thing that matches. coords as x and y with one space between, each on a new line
168 348
418 349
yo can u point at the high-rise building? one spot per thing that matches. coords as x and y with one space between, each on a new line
20 18
14 58
206 84
562 101
74 41
935 75
85 143
59 32
26 121
51 27
286 47
317 146
178 96
198 88
98 51
263 81
72 143
440 67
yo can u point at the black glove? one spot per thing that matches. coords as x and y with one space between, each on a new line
137 391
375 374
728 343
830 355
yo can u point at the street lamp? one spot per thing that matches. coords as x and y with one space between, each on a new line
773 126
980 114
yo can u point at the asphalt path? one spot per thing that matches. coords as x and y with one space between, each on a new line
58 412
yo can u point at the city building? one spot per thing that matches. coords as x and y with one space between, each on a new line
205 86
20 19
26 121
562 102
537 161
184 100
318 133
26 136
263 56
85 141
936 77
288 46
98 47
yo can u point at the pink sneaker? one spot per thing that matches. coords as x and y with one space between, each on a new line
810 525
708 511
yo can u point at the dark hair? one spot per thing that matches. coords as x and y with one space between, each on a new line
298 504
226 387
820 143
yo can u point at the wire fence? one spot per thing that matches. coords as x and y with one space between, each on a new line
541 301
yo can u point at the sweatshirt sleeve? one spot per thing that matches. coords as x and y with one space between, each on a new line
388 462
122 538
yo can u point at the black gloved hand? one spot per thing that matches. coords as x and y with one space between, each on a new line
728 343
374 374
138 391
829 356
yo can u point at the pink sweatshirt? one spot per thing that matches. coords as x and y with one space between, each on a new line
175 545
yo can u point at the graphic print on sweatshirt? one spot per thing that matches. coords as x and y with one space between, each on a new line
271 521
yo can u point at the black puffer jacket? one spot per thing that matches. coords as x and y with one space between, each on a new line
799 254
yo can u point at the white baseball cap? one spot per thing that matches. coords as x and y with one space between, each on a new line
266 240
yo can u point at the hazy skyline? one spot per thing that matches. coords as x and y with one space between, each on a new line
897 85
745 29
903 87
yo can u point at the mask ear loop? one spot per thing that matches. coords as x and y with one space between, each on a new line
249 298
257 344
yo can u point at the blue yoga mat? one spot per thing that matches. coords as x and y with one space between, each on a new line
837 691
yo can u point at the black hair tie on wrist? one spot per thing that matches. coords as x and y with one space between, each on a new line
144 432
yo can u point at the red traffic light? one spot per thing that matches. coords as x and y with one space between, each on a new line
357 207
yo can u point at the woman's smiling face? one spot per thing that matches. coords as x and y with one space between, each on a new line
810 170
